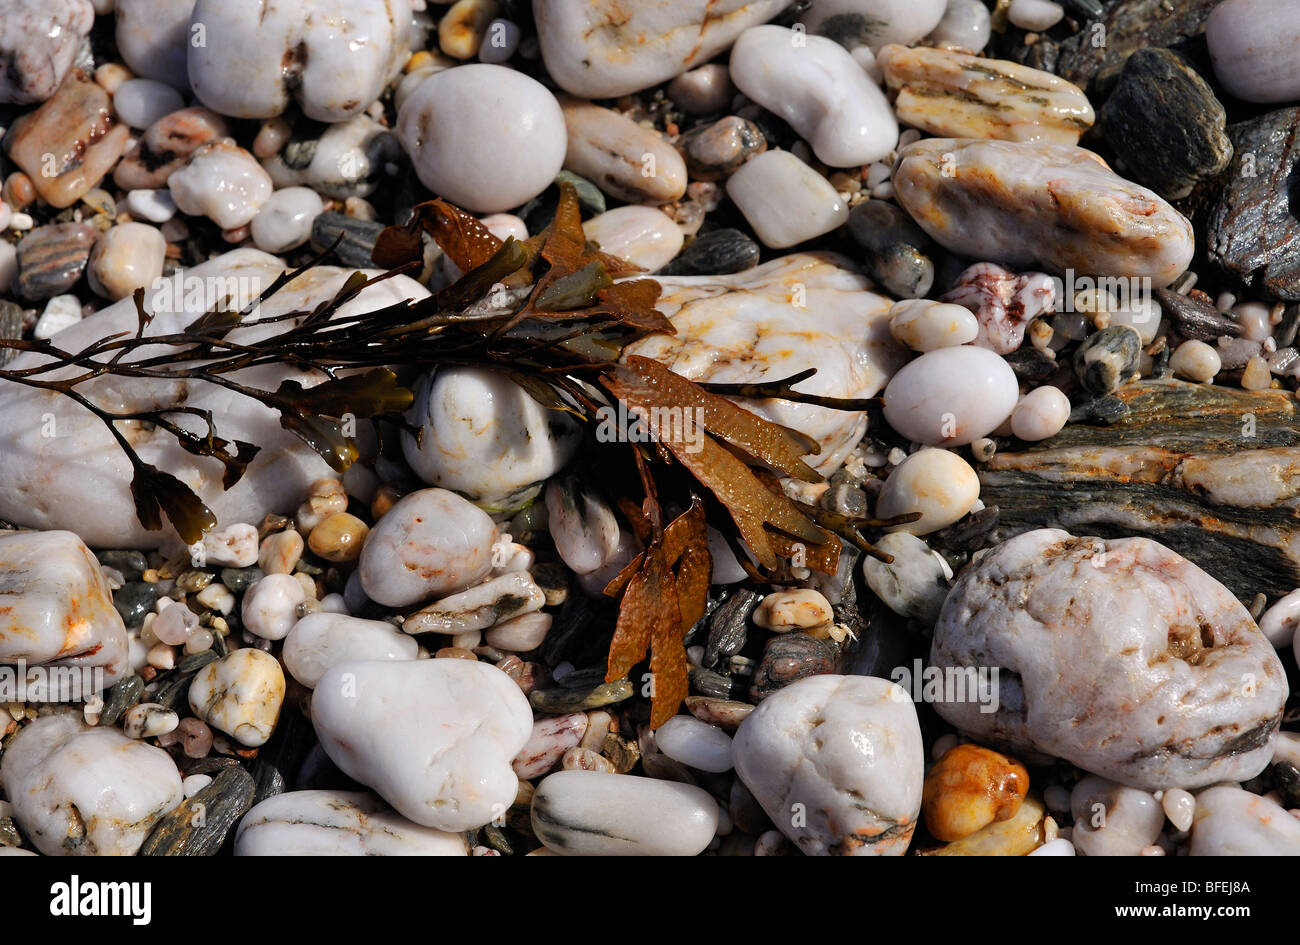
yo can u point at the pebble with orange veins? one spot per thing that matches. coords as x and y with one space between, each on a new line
78 128
970 788
1037 204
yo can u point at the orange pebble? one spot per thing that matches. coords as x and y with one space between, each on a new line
971 787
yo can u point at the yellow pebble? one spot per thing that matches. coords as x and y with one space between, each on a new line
339 538
969 788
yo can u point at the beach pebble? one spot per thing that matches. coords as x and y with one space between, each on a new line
284 221
1180 807
1253 45
837 763
68 144
81 791
1035 15
935 482
509 130
955 95
1058 847
1020 834
222 182
240 694
625 160
435 738
519 634
785 200
1113 820
141 102
915 583
1196 361
873 23
431 543
156 206
337 823
52 258
1108 359
717 252
594 813
323 640
951 396
39 40
56 609
166 147
644 236
897 249
752 312
815 85
348 159
510 595
1233 822
717 150
702 91
969 788
332 57
59 313
1060 615
551 737
154 37
1041 204
582 525
484 436
966 25
924 325
1003 302
800 609
606 48
1040 414
270 605
148 720
1281 621
695 744
128 257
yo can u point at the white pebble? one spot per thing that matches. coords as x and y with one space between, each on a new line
270 606
222 182
60 312
644 236
284 221
924 325
141 102
695 744
951 396
195 783
130 256
785 200
1195 361
937 483
1035 15
1058 847
1281 621
234 546
1180 807
1042 413
966 24
156 206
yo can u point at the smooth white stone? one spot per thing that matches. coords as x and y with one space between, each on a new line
815 85
81 791
39 42
482 606
509 133
607 48
56 609
337 823
434 738
551 737
1058 847
222 182
240 694
1107 644
270 605
156 206
174 624
582 525
234 546
431 543
935 482
1042 413
332 57
1281 621
1195 361
195 783
1035 15
505 225
593 813
1253 47
966 24
141 102
130 256
1179 807
154 38
520 634
1052 206
284 221
1233 822
62 311
874 23
644 236
785 200
924 325
915 584
799 609
762 321
484 436
951 396
348 162
322 640
837 762
695 744
1113 820
624 159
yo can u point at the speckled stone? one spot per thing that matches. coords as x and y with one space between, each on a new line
787 658
1095 55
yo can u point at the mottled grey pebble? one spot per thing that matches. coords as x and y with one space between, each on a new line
52 258
717 252
130 564
1193 317
240 579
896 248
717 150
1107 358
789 657
125 693
358 240
1095 56
729 625
200 824
133 600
